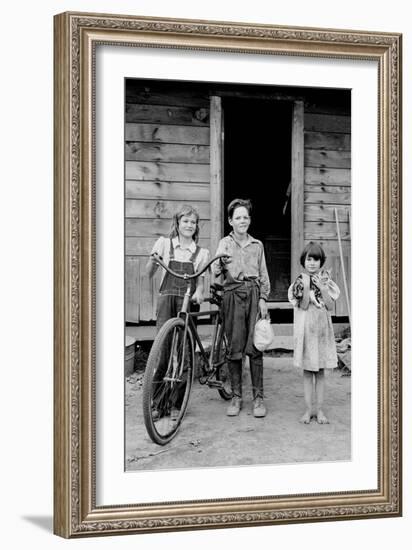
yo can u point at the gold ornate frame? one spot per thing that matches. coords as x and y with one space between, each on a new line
75 510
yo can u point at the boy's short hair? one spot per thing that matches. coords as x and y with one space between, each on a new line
246 203
314 250
185 210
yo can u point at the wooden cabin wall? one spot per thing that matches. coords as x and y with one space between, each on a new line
167 165
327 185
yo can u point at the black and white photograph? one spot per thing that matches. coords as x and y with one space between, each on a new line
237 274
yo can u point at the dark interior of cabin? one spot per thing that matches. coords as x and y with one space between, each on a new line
257 166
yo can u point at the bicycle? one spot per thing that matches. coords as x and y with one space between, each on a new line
170 366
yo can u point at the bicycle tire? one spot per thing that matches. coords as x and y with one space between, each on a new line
161 397
222 370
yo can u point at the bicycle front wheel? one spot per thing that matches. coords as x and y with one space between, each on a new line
168 380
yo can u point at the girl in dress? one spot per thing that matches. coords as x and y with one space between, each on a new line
313 294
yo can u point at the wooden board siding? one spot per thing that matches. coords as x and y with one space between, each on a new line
167 164
165 190
168 152
328 186
165 114
166 171
327 141
141 246
155 209
158 133
140 227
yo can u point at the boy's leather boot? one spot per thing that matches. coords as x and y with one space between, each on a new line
256 374
235 370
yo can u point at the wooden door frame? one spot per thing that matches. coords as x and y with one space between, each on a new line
297 179
216 172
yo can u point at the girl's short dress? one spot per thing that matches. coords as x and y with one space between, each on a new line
313 336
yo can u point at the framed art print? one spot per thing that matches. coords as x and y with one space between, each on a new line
159 119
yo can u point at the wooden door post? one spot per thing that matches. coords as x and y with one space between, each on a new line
216 172
297 176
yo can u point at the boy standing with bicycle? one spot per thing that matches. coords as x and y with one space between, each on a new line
246 290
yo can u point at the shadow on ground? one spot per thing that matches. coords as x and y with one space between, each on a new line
44 522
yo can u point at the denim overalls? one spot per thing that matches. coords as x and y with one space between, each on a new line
170 300
172 289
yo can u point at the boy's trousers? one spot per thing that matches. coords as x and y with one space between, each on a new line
240 308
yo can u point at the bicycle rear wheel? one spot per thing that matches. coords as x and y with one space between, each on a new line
222 366
167 381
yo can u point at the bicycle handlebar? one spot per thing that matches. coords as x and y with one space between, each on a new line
158 259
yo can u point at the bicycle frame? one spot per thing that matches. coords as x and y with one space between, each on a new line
190 325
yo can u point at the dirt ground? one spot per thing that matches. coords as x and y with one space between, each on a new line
209 438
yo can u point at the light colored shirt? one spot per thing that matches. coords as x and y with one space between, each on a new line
248 260
181 254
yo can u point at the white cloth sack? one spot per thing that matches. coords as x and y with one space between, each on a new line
263 336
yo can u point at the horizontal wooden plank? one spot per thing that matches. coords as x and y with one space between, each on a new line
167 114
166 190
164 133
325 231
327 176
327 198
324 213
326 189
327 159
167 152
328 107
154 228
152 95
331 247
167 171
142 246
327 141
162 209
327 123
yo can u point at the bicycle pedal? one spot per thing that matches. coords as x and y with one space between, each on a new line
214 384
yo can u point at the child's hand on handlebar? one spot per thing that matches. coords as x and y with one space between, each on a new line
198 297
224 260
154 257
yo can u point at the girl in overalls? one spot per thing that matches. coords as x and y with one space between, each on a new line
182 254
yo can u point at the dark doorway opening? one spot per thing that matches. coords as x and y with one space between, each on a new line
257 166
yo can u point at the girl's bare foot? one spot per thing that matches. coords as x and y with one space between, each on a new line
322 418
305 418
